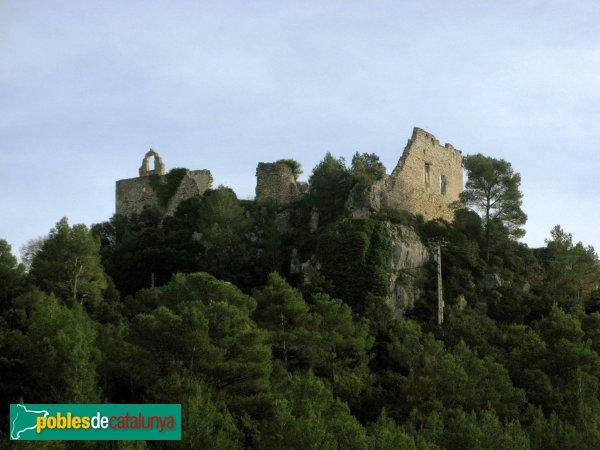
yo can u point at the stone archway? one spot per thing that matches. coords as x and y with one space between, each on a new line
159 166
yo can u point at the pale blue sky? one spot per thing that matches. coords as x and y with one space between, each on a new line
87 87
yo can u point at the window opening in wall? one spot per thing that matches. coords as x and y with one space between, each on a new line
443 184
427 174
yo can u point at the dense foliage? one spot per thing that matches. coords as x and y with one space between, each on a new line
294 166
270 325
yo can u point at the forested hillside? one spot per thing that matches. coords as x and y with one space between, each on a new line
271 324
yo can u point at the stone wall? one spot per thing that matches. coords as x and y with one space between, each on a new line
133 194
193 184
159 166
426 180
275 183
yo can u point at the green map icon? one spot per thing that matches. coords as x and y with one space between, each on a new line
23 420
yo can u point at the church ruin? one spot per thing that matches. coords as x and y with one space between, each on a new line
133 194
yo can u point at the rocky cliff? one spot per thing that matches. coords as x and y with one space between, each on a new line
408 256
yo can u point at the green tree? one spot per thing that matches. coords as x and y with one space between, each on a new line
552 433
243 365
478 331
489 384
171 339
206 424
12 276
222 234
134 251
204 325
69 265
329 187
197 287
307 416
591 325
568 350
471 431
15 381
293 165
432 377
366 168
526 352
282 310
30 249
354 256
126 369
385 434
341 350
61 354
492 189
557 366
572 270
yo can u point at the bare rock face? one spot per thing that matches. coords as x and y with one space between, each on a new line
491 281
282 221
310 269
408 257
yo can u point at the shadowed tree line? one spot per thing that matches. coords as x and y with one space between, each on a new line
207 308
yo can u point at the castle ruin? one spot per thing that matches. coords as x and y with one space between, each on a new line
426 180
276 184
133 194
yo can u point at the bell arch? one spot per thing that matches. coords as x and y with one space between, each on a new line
159 166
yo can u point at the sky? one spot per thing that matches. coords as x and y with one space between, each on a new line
86 88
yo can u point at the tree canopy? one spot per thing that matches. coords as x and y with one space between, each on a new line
69 264
492 189
274 331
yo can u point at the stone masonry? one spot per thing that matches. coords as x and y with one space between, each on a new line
275 183
159 166
426 180
133 194
194 184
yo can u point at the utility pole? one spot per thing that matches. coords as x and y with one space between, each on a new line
439 285
436 246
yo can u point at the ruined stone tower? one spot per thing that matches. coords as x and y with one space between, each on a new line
133 194
426 180
275 183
